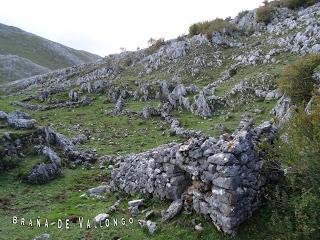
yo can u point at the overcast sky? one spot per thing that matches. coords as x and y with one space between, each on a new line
104 26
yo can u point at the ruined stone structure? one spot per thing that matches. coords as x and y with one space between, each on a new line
219 178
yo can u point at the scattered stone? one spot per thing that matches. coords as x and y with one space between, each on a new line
43 236
198 227
3 115
99 190
136 203
152 226
201 107
114 207
173 210
134 207
100 218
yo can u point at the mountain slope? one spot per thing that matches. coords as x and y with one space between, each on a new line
36 54
200 118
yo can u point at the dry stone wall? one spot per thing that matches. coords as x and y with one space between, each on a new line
219 178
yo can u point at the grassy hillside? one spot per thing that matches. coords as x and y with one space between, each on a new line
268 56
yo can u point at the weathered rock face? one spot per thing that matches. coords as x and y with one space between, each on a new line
283 110
20 120
45 172
73 95
67 147
221 176
120 103
201 107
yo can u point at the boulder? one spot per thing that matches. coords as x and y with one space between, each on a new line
43 236
201 107
99 190
73 95
173 210
100 218
3 115
152 226
20 120
136 203
45 172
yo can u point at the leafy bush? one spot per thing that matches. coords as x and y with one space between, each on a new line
295 202
208 27
298 3
265 14
296 79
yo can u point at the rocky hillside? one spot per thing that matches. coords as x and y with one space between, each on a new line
23 54
213 135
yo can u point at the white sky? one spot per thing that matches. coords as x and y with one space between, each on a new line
103 26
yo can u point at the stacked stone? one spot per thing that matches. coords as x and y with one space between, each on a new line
222 177
151 173
234 175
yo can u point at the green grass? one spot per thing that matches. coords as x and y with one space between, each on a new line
109 134
189 120
139 106
60 199
121 135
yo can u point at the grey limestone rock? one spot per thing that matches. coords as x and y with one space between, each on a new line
20 120
173 210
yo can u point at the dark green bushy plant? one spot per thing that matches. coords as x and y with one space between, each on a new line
265 14
208 27
296 79
295 202
298 3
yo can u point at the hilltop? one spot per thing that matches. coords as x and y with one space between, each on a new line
23 54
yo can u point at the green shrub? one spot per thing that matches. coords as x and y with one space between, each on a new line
296 79
8 162
298 3
276 3
295 201
265 14
208 27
